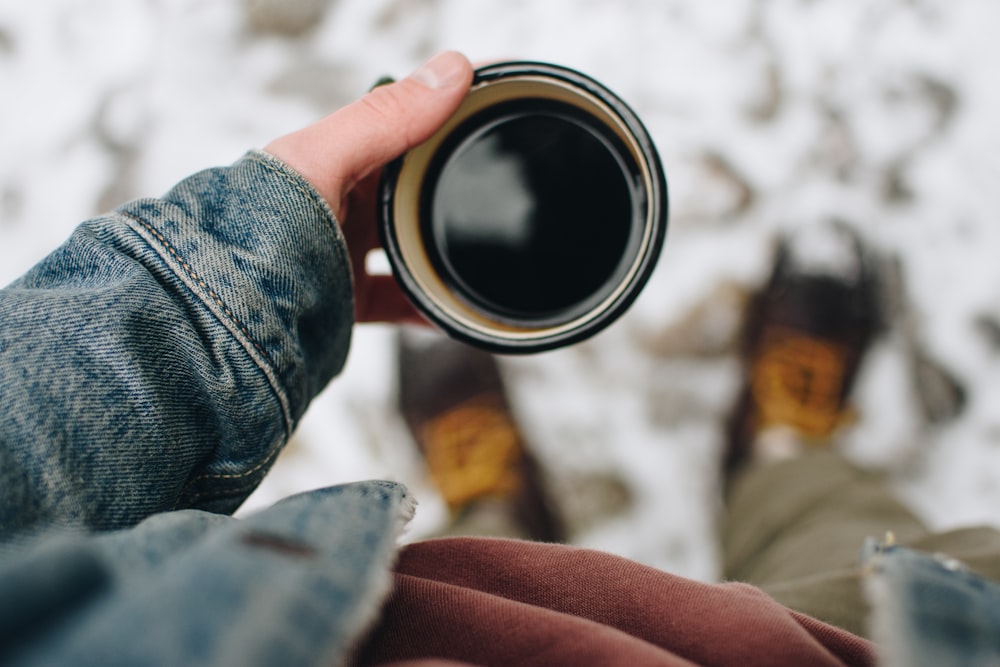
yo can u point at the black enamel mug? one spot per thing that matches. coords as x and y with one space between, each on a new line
533 218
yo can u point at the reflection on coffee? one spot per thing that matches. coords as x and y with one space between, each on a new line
529 212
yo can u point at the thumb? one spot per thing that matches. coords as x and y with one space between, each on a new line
340 150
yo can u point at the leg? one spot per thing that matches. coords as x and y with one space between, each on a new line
805 516
798 513
795 529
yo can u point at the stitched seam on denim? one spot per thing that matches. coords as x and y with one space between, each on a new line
329 218
263 361
237 491
272 453
324 210
189 499
384 489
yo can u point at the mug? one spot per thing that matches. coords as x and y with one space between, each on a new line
533 218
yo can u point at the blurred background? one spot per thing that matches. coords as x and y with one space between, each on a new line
769 116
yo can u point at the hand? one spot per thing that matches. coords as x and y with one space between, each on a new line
343 154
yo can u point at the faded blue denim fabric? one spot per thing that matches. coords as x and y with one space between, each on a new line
154 366
294 585
929 611
161 357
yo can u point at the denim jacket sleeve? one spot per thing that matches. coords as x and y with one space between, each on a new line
162 356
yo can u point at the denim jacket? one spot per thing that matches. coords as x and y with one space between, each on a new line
157 362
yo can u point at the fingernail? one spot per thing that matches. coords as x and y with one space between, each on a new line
441 71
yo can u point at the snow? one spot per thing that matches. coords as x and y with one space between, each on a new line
768 115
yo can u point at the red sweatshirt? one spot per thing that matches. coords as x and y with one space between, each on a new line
505 602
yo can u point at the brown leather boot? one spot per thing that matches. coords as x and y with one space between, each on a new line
806 334
453 400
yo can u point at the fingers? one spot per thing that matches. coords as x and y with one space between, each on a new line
384 301
343 148
339 152
377 298
391 119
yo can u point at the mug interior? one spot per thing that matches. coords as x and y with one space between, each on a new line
530 215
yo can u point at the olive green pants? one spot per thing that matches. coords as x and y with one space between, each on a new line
796 528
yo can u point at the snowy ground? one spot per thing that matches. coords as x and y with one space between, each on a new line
769 115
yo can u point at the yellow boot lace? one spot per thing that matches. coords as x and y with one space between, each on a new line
472 451
797 382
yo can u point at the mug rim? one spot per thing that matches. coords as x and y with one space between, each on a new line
408 256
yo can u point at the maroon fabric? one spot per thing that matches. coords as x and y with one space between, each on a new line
506 602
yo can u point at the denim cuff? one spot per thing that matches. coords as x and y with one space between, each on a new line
262 250
929 610
161 357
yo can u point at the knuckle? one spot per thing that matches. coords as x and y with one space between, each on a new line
387 104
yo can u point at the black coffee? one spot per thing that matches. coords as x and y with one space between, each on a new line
532 209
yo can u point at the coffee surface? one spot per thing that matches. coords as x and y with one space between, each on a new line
531 212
